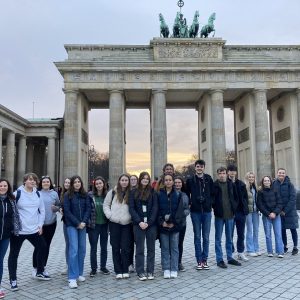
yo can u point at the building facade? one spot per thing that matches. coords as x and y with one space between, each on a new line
29 146
260 83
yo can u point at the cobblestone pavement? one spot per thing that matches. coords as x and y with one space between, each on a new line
260 277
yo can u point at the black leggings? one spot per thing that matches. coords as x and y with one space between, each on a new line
15 246
48 233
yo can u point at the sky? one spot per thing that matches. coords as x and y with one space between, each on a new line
33 34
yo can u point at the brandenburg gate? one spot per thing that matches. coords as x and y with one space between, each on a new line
260 83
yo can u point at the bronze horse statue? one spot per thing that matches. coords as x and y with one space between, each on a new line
193 31
164 28
207 29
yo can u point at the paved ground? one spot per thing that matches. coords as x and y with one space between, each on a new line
261 277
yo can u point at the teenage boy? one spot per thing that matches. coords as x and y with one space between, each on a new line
224 205
32 215
241 212
200 191
289 217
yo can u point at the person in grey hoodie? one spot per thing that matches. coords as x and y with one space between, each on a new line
52 204
32 216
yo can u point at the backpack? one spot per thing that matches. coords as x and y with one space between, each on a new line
19 195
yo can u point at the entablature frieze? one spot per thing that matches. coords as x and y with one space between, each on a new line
182 77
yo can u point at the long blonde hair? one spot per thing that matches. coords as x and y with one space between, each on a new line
247 179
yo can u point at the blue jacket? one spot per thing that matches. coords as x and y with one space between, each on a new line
136 208
77 209
168 205
287 193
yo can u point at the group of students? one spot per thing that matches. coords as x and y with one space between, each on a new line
138 211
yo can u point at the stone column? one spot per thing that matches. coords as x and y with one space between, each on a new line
262 135
298 104
158 132
0 151
21 160
217 131
29 156
51 162
71 134
116 136
10 157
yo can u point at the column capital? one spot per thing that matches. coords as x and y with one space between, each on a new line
119 91
213 91
159 91
262 90
70 91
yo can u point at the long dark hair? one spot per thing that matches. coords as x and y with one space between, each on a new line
40 187
71 190
141 191
9 192
183 188
63 191
120 194
104 191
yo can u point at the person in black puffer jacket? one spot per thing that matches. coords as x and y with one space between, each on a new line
270 205
9 221
289 217
143 208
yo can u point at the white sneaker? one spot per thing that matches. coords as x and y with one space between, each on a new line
242 257
280 255
252 254
167 274
258 253
119 276
81 279
33 273
126 275
173 274
73 284
270 255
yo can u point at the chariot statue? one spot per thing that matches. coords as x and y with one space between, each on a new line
164 28
209 27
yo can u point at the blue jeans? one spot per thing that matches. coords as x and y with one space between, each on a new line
100 230
169 250
77 249
201 223
219 224
3 248
252 223
276 224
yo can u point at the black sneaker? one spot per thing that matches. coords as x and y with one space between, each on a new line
295 251
42 276
13 285
205 266
93 273
199 266
142 277
234 262
222 265
181 267
104 271
285 249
